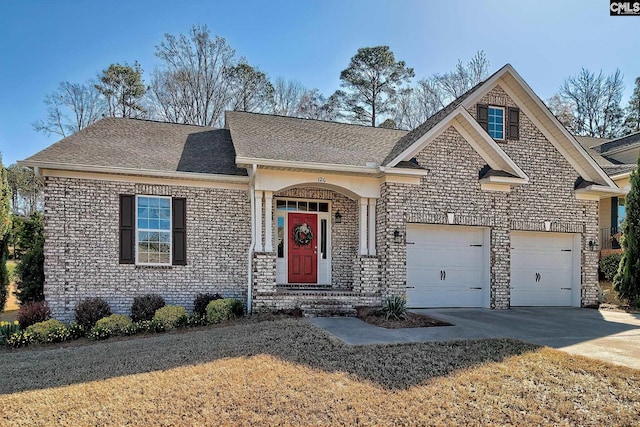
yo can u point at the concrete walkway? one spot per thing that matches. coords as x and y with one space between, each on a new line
610 336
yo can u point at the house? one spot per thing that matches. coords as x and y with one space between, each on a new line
618 158
490 203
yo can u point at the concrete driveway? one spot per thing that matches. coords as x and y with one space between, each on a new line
610 336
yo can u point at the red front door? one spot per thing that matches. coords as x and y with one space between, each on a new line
303 256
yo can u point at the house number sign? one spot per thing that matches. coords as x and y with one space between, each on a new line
322 179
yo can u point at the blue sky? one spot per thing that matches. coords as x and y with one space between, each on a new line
45 42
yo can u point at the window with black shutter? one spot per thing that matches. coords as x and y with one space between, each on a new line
499 122
152 230
483 116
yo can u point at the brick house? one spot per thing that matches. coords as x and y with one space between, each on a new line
489 203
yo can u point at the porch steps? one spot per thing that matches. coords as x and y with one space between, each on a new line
327 308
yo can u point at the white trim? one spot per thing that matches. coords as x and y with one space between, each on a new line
504 180
362 243
393 171
258 234
252 182
372 226
137 172
170 231
373 170
268 221
178 182
597 192
620 176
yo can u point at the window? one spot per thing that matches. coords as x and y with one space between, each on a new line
622 212
496 122
500 122
153 230
280 237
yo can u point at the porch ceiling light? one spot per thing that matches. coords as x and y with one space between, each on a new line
338 217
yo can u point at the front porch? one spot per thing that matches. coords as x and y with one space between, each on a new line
331 271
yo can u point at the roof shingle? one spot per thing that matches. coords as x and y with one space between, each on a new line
147 146
270 137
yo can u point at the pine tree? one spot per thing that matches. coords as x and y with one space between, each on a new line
5 225
625 282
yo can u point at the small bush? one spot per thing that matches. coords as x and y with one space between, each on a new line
395 307
20 339
224 309
90 310
196 320
32 313
609 265
49 331
201 301
171 316
116 324
145 307
76 331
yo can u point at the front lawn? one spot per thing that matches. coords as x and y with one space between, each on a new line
288 372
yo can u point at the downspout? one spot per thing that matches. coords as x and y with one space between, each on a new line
252 197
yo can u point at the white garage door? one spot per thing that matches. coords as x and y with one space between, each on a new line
542 269
446 266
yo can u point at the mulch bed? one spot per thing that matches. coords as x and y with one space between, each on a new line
412 320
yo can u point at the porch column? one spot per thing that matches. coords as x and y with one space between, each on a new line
268 221
363 226
258 218
372 226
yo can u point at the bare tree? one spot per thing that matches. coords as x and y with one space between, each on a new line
595 100
632 120
563 111
419 102
251 90
70 108
464 77
287 96
314 105
27 194
192 85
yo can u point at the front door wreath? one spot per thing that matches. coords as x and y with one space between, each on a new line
302 234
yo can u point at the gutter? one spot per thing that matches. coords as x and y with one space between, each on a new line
252 198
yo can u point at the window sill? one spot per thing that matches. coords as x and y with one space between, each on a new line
154 267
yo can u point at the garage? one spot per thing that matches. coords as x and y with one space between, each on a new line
545 269
447 266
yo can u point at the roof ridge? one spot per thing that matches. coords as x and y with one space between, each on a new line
314 120
160 121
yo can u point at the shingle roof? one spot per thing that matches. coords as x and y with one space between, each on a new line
272 137
432 121
590 141
618 169
632 139
146 145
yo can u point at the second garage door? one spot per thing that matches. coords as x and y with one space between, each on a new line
542 269
447 266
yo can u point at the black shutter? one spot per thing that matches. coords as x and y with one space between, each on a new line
127 229
614 215
513 123
179 231
483 116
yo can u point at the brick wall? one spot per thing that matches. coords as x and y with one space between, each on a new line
81 246
452 185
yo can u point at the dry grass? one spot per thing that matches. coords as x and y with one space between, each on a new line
288 372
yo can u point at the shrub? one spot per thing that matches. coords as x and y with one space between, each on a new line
49 331
7 329
30 286
32 313
196 320
224 309
171 316
20 339
90 310
76 331
116 324
609 265
395 307
145 307
201 301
